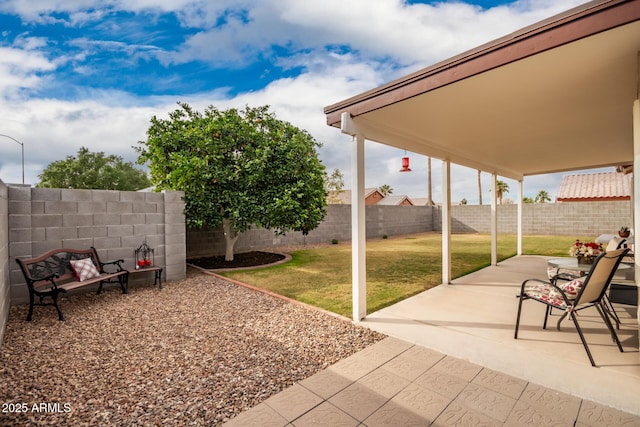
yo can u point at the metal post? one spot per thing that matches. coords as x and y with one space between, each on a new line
22 149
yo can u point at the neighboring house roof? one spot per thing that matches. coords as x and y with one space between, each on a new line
595 187
344 196
396 201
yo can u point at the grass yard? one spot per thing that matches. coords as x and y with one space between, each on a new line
397 267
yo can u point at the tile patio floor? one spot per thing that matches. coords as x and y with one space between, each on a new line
451 359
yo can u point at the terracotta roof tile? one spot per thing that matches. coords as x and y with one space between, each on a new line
595 186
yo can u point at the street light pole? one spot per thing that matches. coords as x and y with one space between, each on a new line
22 146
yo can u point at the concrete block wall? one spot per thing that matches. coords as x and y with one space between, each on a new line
381 220
575 218
5 284
114 222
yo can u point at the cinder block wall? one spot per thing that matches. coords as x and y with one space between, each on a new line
5 285
114 222
381 220
576 218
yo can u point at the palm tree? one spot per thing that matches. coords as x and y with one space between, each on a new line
385 190
542 197
501 188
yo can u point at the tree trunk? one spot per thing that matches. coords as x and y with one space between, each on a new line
429 193
479 188
230 237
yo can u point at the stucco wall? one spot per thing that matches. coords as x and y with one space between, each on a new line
114 222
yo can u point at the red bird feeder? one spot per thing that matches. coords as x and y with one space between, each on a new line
405 165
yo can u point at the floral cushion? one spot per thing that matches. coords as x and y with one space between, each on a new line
572 288
547 293
84 269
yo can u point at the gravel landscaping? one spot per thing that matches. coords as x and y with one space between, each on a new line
197 352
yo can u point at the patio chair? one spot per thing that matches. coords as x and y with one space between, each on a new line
556 273
575 295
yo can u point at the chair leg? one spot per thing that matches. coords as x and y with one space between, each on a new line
546 316
520 299
584 342
610 310
612 330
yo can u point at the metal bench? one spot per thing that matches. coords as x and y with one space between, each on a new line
52 273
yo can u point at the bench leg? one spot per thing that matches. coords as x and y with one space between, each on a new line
124 283
31 303
54 295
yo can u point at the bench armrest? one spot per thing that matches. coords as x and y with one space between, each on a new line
117 263
50 278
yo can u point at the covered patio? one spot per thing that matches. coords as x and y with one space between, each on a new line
560 95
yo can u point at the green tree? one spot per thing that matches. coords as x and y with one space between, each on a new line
334 186
93 171
501 188
527 200
385 190
237 168
542 197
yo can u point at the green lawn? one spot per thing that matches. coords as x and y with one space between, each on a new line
396 267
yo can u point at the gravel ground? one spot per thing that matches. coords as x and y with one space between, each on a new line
197 352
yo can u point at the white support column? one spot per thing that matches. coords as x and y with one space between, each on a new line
520 211
636 189
358 221
358 232
446 222
494 219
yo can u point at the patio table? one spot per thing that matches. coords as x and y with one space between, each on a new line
571 264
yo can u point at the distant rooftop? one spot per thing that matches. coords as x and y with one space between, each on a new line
601 186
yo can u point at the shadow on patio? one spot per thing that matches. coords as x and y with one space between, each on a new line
474 318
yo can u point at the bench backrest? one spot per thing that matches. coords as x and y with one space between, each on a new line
56 261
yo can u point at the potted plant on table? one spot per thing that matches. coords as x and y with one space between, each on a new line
624 231
586 252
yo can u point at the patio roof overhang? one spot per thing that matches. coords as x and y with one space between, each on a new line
555 96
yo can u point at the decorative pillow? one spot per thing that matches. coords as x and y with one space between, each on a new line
84 269
572 288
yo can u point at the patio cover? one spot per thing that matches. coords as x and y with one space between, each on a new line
556 96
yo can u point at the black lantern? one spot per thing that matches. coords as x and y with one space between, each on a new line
144 256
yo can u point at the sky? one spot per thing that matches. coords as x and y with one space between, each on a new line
92 73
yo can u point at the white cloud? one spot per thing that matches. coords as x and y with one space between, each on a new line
387 38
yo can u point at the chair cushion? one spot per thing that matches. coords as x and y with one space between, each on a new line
545 293
572 288
84 269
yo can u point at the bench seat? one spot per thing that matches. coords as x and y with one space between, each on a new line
51 273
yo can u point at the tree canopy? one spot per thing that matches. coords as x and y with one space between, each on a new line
501 188
95 171
543 196
237 168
